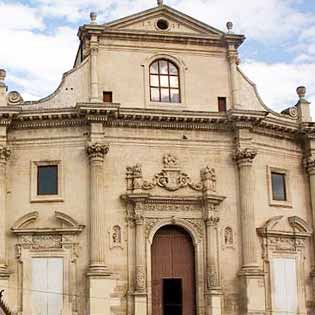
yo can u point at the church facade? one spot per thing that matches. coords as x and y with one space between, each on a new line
155 181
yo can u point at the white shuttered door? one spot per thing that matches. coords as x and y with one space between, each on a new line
284 286
47 286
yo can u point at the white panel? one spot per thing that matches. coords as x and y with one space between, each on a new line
39 286
284 286
55 286
47 286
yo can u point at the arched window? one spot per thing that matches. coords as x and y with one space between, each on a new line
164 82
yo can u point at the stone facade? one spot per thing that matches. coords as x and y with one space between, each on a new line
127 168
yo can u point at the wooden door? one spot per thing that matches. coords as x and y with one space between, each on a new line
173 259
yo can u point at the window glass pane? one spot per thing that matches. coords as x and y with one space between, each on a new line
165 97
154 80
175 96
154 67
155 95
173 69
284 286
163 67
278 186
174 82
164 81
47 180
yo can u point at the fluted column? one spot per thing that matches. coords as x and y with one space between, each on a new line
234 61
140 251
4 155
96 153
244 159
94 97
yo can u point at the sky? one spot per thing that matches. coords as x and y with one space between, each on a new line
39 40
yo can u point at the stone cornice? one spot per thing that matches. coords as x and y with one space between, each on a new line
115 116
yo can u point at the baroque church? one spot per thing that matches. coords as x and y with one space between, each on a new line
155 181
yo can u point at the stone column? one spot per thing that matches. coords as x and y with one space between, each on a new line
310 168
140 285
4 155
234 62
3 88
94 97
252 279
96 153
244 159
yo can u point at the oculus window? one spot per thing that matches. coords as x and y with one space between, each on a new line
47 180
164 82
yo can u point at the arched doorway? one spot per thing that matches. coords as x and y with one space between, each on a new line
173 272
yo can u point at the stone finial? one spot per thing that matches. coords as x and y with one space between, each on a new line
93 17
229 26
301 91
3 74
159 2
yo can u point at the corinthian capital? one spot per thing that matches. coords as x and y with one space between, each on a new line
246 155
5 153
97 150
309 164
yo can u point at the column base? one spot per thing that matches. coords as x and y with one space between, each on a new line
215 301
253 300
98 270
100 290
140 303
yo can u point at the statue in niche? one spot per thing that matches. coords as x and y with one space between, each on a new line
228 236
116 236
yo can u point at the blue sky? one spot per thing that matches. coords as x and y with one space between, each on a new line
39 40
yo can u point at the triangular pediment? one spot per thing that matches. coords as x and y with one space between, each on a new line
178 22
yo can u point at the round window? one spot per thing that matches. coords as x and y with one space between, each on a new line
162 24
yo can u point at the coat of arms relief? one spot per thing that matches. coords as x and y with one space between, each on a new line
171 178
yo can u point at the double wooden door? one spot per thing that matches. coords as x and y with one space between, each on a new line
173 272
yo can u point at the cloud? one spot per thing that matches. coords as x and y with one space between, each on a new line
35 61
19 17
277 83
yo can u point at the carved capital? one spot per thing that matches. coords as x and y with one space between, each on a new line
5 153
233 57
244 156
97 150
309 164
212 220
139 219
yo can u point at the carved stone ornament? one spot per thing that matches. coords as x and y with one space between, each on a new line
309 164
14 98
170 178
46 241
140 278
246 155
97 150
290 240
5 153
212 279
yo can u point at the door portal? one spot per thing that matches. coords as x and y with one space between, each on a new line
173 272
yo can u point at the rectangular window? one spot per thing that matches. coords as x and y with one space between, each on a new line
284 286
107 97
278 186
222 104
47 180
47 286
172 297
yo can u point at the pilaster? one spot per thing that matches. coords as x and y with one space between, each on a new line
94 93
234 62
5 153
